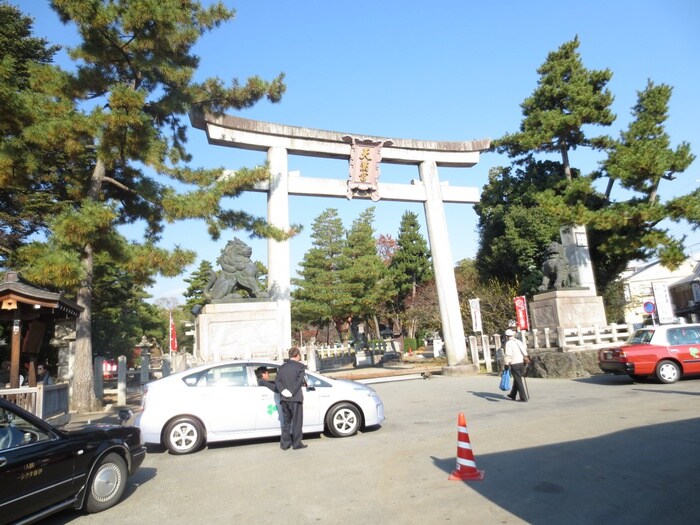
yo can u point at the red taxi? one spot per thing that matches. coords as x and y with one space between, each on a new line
668 352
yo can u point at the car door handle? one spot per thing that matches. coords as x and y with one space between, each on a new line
2 461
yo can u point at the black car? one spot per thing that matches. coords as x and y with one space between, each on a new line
44 469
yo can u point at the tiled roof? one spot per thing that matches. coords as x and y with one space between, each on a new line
13 285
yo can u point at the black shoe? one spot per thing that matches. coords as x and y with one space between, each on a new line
522 400
300 446
284 448
511 398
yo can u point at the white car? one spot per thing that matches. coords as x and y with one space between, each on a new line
223 402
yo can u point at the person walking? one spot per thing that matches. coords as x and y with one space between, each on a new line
515 357
289 380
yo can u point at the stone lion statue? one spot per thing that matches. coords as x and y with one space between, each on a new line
555 269
238 273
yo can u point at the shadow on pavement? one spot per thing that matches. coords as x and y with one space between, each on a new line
606 379
642 475
489 396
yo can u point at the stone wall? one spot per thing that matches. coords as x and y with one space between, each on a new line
568 365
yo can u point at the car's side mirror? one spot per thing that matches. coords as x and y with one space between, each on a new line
124 415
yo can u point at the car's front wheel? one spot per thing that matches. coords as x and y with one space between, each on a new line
343 420
107 483
668 372
184 435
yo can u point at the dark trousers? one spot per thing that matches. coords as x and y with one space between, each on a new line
516 371
292 423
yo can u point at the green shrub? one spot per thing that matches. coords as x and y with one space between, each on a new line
410 344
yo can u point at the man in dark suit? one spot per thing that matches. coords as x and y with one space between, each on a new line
290 379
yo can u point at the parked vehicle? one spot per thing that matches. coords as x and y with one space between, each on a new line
44 469
668 352
110 368
223 402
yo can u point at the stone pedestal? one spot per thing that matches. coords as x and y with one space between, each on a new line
460 370
567 309
239 330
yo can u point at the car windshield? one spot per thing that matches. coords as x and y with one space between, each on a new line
15 431
315 381
641 336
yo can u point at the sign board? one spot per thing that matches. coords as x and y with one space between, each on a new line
521 318
475 308
663 302
365 157
649 307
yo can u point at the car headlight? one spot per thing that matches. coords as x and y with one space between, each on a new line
366 390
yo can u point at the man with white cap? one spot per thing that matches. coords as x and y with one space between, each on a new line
516 355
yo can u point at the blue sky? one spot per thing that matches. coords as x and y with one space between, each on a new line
441 70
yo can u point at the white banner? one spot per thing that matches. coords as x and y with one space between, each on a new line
664 308
475 308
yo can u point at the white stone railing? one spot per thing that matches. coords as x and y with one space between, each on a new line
329 357
483 349
49 402
579 338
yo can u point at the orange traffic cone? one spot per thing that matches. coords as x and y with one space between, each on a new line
466 466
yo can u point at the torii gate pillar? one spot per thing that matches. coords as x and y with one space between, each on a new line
278 258
278 141
441 255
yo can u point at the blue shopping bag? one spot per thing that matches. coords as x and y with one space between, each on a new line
505 380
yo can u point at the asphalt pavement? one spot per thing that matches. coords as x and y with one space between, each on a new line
584 451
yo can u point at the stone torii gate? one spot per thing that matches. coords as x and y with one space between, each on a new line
364 155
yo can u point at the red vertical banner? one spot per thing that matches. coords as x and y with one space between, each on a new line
173 335
521 317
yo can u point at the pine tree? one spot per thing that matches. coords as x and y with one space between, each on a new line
631 229
25 199
320 297
410 267
568 96
524 205
514 229
640 159
121 313
118 119
363 271
197 283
